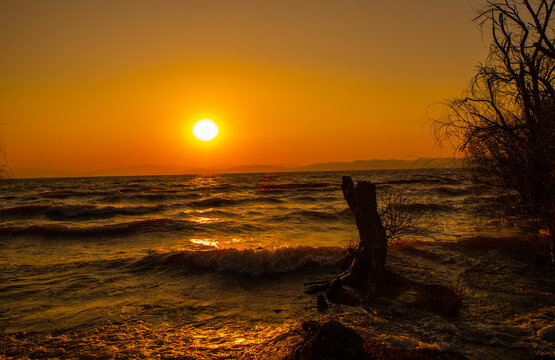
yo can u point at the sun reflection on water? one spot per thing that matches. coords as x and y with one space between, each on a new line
205 220
205 242
132 338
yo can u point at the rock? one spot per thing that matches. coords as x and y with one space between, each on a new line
334 290
332 341
547 333
310 327
321 303
339 294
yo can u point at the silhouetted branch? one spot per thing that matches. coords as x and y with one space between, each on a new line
5 171
505 121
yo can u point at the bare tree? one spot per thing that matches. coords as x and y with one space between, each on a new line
504 122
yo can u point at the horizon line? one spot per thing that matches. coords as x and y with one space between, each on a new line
147 169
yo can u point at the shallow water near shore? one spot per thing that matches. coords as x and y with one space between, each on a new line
214 266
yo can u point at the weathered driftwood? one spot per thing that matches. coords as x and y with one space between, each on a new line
367 269
368 266
367 276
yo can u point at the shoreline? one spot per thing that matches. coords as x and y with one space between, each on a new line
507 304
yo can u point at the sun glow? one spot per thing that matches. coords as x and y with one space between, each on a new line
205 130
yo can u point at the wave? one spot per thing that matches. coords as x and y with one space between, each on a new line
22 211
72 212
213 202
419 207
306 198
216 202
265 200
254 262
152 197
310 215
64 194
156 225
56 230
216 187
410 181
313 199
296 187
452 191
123 194
136 188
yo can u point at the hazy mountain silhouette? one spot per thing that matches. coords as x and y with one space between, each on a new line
427 163
137 170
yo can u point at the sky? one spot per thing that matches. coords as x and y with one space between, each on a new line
103 84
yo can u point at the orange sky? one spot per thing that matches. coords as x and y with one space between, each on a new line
100 84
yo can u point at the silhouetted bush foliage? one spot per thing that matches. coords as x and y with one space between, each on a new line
4 169
504 122
440 299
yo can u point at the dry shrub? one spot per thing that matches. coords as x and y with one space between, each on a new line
440 299
5 172
540 243
405 245
381 351
488 242
399 218
371 349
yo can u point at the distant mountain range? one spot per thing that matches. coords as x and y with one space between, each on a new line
136 170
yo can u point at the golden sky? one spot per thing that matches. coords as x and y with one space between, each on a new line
102 84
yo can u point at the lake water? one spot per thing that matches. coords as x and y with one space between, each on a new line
193 266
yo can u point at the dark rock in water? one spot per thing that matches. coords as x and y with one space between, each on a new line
336 293
321 303
332 341
547 333
334 290
310 327
543 261
440 299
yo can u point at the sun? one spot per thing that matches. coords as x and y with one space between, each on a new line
205 130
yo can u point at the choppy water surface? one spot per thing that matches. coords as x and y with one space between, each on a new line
198 266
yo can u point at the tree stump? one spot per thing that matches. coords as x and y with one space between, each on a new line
368 265
367 269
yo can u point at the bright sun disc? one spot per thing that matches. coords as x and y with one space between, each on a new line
205 130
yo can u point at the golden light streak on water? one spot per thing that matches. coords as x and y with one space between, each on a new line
205 242
206 220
